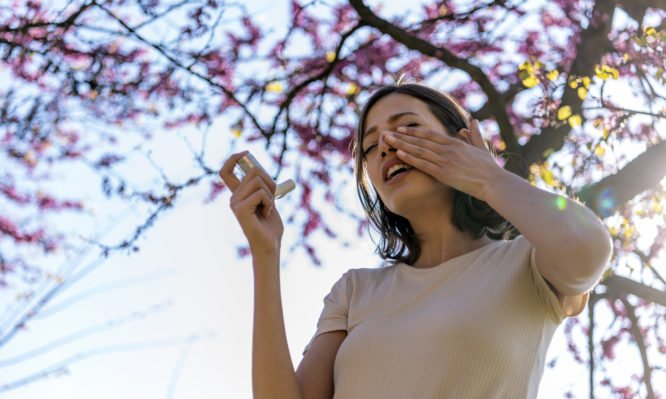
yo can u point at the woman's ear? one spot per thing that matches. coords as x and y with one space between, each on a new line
465 135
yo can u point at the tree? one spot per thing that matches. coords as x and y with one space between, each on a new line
571 94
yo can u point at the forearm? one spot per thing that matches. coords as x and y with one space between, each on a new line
273 374
564 232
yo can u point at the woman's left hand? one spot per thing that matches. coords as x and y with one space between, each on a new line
467 167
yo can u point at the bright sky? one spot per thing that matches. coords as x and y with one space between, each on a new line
175 319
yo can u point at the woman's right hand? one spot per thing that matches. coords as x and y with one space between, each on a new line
253 204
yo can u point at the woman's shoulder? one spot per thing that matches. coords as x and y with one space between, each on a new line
367 274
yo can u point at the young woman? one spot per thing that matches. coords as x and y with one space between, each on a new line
456 311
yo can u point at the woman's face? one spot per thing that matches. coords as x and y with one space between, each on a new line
416 189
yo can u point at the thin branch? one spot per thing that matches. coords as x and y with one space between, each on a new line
189 69
175 374
426 48
593 44
618 286
643 172
646 261
60 366
640 341
631 111
87 331
590 341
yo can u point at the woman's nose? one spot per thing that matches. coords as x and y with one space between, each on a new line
383 146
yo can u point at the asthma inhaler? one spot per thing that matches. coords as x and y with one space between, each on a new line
246 163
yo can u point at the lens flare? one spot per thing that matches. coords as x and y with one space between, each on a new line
606 202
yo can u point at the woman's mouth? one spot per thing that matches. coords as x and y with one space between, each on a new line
399 176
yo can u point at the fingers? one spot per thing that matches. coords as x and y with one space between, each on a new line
252 193
259 201
230 179
227 171
475 134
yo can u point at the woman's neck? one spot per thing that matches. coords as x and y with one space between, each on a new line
442 242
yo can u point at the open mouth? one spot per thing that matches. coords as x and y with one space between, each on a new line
397 171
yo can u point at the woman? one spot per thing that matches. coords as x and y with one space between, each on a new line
454 313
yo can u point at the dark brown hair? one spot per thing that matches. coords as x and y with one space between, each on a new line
398 240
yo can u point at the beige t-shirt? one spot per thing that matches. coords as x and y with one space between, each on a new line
476 326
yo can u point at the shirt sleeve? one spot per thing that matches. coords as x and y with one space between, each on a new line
336 308
547 295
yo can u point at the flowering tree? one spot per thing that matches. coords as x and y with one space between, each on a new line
570 93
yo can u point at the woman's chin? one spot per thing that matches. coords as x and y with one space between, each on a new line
419 202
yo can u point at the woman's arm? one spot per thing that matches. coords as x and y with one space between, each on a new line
253 204
315 373
572 246
273 374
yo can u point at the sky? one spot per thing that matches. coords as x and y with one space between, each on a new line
174 320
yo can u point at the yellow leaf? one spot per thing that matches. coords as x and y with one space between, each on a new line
582 93
657 207
573 84
352 89
626 57
539 65
330 56
586 82
548 178
236 132
606 132
564 112
526 66
601 74
599 151
535 169
275 87
502 145
552 75
615 73
531 81
597 122
575 120
613 231
649 31
604 72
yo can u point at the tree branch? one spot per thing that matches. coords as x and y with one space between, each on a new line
414 43
590 340
640 341
617 286
642 173
592 46
189 69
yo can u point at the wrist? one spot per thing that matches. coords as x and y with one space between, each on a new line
497 183
265 256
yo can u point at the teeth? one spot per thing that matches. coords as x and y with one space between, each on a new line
396 167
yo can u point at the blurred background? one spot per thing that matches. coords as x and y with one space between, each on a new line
123 272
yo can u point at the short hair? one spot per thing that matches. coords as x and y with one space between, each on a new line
398 240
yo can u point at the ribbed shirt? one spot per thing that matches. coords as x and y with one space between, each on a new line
475 326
